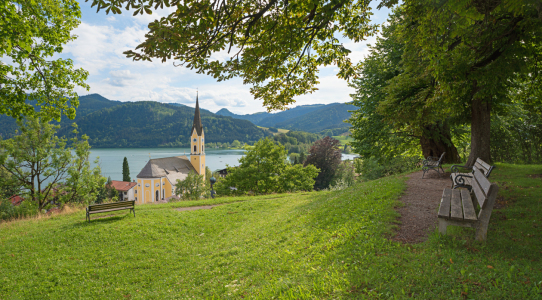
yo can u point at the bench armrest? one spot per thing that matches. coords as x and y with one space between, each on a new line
455 168
460 179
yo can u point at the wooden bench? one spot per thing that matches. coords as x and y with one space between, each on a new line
457 207
460 179
430 163
107 207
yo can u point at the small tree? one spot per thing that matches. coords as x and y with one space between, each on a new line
46 170
263 170
125 170
325 154
193 187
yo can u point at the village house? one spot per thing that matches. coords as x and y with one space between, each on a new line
126 189
157 179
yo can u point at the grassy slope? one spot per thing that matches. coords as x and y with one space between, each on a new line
325 245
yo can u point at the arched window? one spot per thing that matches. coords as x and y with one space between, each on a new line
201 148
194 148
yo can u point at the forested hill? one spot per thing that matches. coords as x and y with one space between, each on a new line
153 124
87 104
114 124
328 117
310 118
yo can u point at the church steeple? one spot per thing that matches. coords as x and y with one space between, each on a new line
197 119
197 143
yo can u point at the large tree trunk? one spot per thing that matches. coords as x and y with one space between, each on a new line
480 131
437 139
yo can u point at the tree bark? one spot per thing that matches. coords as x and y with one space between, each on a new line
436 140
480 131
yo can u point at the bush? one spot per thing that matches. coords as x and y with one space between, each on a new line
371 169
25 209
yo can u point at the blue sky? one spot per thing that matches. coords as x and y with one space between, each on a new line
102 39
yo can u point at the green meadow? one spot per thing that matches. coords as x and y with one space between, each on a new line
317 245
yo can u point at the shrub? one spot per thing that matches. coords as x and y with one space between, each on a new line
25 209
371 169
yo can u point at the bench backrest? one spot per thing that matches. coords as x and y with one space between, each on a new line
485 192
483 167
113 205
441 156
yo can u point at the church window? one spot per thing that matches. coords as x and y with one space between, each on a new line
194 148
136 191
202 140
201 148
147 185
195 140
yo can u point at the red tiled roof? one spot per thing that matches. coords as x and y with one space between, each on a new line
16 200
122 186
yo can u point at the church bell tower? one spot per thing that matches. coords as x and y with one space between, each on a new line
197 145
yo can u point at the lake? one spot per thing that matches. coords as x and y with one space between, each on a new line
110 159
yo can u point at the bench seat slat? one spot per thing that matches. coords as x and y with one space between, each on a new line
444 210
456 210
468 207
107 210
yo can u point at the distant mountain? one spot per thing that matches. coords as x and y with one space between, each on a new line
152 124
327 117
115 124
310 118
87 104
254 118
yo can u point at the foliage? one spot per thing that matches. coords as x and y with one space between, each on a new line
193 187
326 156
344 175
264 170
33 32
125 170
6 188
258 35
482 49
273 129
48 172
296 141
330 245
23 210
371 169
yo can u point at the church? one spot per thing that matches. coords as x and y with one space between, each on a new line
157 179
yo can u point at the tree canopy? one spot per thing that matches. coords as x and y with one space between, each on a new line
32 33
275 45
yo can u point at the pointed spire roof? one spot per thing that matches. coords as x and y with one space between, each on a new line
197 119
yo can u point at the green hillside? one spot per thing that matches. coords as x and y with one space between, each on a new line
310 118
317 245
328 117
87 104
255 118
153 124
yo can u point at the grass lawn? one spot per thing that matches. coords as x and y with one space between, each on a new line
344 139
275 133
318 245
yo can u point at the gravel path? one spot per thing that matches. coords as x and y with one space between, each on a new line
421 199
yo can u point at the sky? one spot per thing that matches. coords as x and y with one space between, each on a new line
102 38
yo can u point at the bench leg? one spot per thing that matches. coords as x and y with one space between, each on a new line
133 211
442 226
481 231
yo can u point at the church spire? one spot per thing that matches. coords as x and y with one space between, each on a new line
197 119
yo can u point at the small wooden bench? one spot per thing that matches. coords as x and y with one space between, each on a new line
430 163
457 208
107 207
460 179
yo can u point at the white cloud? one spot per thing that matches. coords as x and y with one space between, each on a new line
111 19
